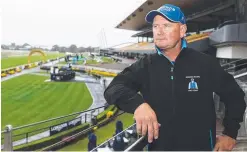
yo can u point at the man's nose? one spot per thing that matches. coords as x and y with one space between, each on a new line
160 31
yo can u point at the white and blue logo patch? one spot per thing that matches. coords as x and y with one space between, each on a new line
193 85
168 8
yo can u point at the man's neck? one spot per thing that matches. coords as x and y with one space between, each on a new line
173 53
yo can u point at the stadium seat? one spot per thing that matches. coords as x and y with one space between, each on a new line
196 37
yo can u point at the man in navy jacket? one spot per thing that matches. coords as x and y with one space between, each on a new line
176 113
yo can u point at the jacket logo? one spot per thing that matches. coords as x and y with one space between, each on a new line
192 86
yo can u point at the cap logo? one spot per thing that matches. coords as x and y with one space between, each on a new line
167 8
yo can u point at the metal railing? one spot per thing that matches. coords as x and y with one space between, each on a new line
112 138
54 146
234 65
133 146
27 135
229 63
133 141
8 132
244 65
56 118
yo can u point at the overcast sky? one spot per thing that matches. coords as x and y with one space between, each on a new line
65 22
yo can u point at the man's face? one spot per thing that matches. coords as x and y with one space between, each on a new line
167 34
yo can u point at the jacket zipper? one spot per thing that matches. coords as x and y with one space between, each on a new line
172 79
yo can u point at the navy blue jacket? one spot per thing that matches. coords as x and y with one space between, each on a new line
182 97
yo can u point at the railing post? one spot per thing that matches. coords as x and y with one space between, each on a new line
85 117
245 121
26 138
243 128
91 115
8 145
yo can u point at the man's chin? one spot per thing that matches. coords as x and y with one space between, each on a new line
163 47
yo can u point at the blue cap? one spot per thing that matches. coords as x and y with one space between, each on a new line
170 12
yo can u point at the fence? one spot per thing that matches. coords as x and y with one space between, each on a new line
24 138
57 145
133 141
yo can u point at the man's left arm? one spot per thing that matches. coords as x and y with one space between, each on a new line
233 98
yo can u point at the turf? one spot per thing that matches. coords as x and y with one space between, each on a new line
107 60
15 61
102 134
27 99
92 62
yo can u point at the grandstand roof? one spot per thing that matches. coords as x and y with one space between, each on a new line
200 14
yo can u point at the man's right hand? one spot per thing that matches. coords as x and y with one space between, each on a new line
146 121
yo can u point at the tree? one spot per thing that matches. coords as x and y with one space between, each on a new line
55 48
81 49
17 47
89 49
25 44
13 44
63 49
4 47
73 48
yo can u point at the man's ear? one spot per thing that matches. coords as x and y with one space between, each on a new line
183 29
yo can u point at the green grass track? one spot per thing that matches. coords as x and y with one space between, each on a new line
28 99
20 60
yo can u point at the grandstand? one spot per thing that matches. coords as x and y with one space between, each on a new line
212 27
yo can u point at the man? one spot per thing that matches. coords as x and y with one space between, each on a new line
104 83
92 141
155 89
118 143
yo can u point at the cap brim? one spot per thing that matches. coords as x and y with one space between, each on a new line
150 16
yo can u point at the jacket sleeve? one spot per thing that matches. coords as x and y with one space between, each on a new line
233 98
124 88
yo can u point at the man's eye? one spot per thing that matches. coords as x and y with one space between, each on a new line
155 26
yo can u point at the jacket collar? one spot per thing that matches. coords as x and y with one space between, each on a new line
158 50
